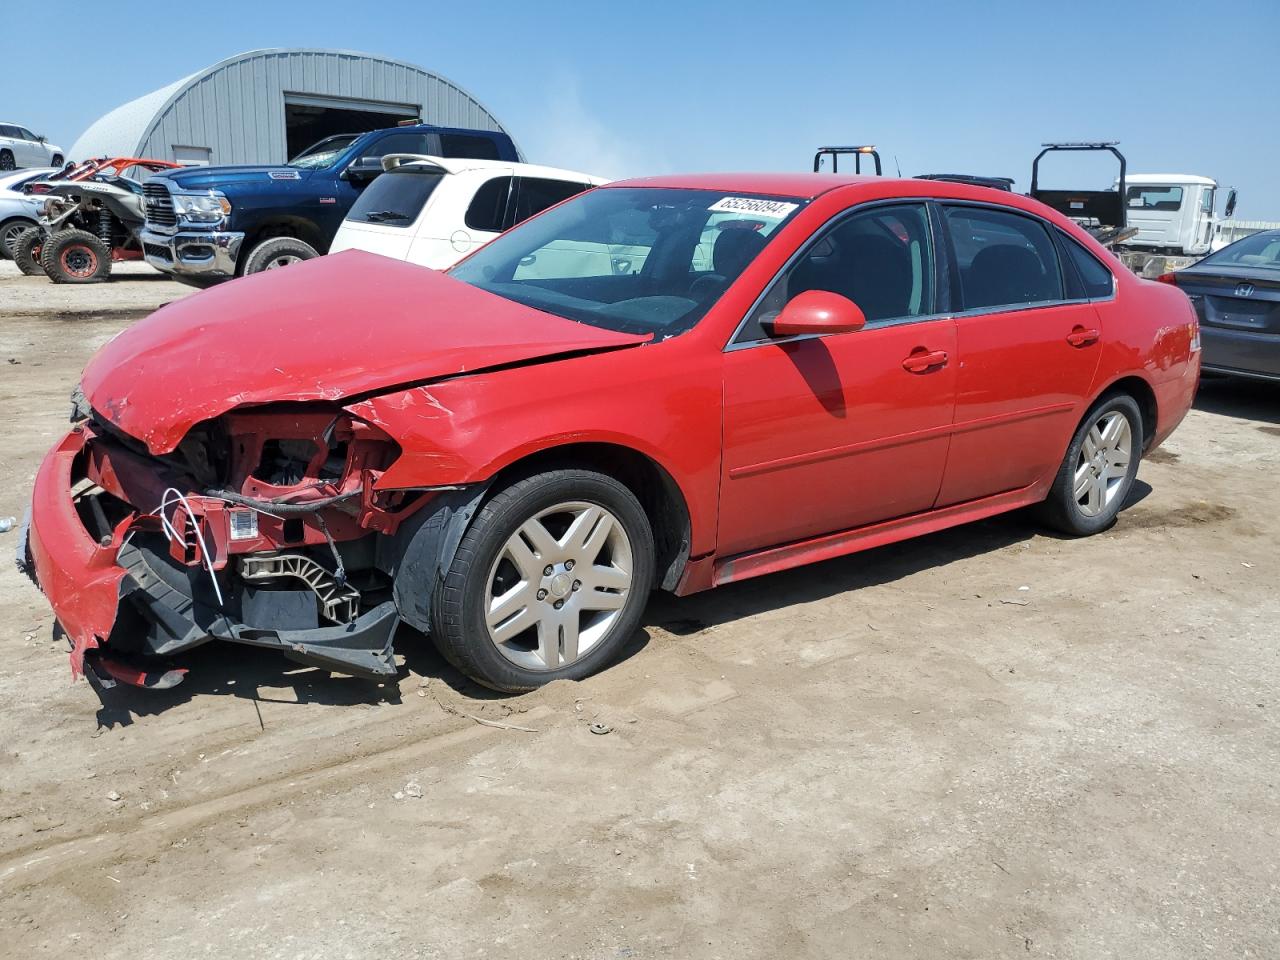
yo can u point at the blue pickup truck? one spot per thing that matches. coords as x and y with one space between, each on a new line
206 224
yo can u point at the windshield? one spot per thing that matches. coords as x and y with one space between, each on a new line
1260 250
396 197
323 154
631 259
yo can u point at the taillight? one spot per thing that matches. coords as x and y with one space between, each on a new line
1168 278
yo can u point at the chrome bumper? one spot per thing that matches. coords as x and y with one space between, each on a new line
210 253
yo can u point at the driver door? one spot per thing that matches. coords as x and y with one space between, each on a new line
828 433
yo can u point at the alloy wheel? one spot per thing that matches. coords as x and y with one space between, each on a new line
282 261
558 585
1103 463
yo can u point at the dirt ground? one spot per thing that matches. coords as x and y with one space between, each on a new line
989 742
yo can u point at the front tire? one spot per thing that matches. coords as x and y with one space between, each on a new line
276 253
56 161
75 256
549 581
9 232
1098 471
26 251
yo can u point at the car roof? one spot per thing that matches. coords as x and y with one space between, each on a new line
802 186
460 164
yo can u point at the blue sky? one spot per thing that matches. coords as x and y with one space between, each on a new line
635 88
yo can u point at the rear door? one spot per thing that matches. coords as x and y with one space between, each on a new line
1028 346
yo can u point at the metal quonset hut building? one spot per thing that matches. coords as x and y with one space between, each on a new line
268 105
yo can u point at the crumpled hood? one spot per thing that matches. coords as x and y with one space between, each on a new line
334 327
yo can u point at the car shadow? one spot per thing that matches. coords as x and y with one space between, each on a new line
820 581
1238 397
261 675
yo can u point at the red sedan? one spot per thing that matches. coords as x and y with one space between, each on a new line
669 383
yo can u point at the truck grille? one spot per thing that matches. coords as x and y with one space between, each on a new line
159 205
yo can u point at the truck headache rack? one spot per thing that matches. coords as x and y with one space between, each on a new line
1104 206
835 153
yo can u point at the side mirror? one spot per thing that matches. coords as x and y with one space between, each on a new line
366 168
41 137
816 312
1230 208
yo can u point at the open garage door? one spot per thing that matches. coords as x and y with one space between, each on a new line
309 118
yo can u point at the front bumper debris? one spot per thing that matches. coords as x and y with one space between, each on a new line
195 253
125 602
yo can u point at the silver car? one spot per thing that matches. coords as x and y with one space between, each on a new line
20 148
17 210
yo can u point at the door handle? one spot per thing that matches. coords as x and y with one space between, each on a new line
920 360
1080 337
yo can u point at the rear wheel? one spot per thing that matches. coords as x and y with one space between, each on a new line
9 231
549 581
75 256
6 160
1098 471
27 247
276 253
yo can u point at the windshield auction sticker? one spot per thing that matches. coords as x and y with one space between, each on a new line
773 209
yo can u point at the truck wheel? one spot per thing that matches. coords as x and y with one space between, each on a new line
6 160
276 253
9 231
75 256
26 251
548 583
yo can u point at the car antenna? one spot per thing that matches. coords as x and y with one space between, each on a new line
897 166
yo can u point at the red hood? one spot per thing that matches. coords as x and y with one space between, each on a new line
346 324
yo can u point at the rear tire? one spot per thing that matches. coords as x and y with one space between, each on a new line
75 256
276 253
503 620
9 232
6 160
26 251
1098 471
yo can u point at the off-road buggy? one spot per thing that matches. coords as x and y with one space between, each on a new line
90 219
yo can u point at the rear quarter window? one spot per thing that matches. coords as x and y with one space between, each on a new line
488 209
1097 281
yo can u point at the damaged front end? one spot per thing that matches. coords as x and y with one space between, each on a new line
265 526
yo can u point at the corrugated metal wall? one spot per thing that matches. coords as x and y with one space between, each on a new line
237 107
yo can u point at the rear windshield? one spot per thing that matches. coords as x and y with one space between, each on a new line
396 197
1260 250
1154 198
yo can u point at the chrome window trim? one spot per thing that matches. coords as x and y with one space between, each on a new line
734 343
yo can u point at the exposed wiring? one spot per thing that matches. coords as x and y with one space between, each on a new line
340 572
167 499
274 507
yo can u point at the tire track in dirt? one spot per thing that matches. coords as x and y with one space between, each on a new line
37 864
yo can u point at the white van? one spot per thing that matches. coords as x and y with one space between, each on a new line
433 211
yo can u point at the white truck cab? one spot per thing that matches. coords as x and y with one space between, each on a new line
433 211
1173 212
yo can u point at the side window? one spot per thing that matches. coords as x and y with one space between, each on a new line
489 205
398 143
881 259
469 146
26 134
1098 281
1004 260
537 194
7 131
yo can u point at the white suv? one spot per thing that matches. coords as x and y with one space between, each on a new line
433 211
19 147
